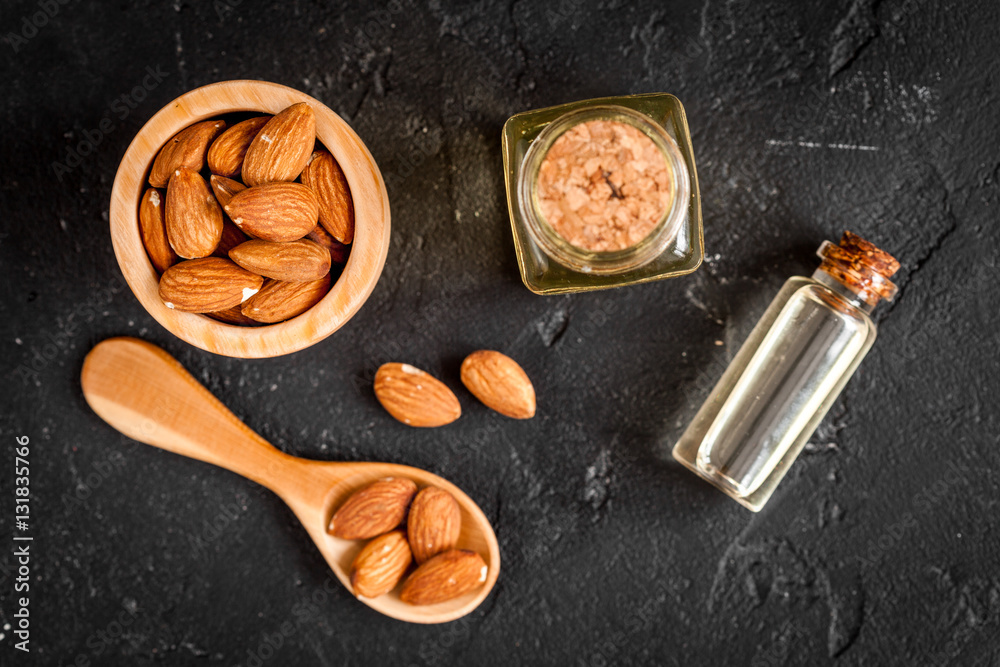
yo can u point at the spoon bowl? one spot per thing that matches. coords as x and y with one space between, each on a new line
146 394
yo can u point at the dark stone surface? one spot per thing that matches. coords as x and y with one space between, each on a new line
880 548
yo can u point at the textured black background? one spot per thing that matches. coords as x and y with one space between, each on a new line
880 548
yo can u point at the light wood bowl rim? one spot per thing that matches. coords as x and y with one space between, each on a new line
368 252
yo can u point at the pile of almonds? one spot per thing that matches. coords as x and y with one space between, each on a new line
418 399
255 243
433 523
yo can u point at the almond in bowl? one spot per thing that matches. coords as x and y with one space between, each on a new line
270 216
252 190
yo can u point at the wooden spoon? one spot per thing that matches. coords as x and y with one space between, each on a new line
146 394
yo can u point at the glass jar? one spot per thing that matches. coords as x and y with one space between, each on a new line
548 262
788 373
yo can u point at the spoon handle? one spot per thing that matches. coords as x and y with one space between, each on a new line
146 394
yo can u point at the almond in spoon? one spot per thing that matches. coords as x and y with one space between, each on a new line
433 524
373 510
445 577
381 565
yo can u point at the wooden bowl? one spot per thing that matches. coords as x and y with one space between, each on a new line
368 252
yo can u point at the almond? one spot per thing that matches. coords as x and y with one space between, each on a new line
224 188
381 565
434 523
299 261
275 212
233 316
338 251
373 510
207 285
282 148
280 300
444 577
225 156
336 206
231 237
415 397
498 381
193 217
152 226
186 149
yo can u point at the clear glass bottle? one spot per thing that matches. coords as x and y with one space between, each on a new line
550 265
788 373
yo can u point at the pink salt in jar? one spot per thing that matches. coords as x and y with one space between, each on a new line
603 196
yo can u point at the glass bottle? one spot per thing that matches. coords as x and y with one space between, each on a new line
551 265
789 372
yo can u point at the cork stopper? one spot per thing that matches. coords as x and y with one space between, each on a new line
861 267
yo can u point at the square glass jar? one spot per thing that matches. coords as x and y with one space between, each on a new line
679 250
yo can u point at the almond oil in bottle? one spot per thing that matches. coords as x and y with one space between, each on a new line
788 373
